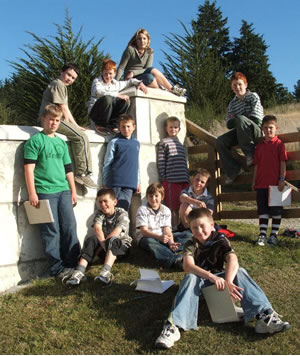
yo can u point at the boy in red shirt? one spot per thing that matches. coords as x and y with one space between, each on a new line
270 169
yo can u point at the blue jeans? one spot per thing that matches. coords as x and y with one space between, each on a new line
245 134
124 196
184 312
162 252
147 77
59 238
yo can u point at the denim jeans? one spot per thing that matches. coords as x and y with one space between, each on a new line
184 312
124 196
162 252
245 134
147 77
59 238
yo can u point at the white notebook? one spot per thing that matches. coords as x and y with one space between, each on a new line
221 306
40 215
277 198
150 282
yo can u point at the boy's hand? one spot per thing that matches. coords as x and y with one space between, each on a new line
138 189
129 75
234 291
281 185
218 281
142 87
124 97
201 204
253 186
34 200
174 246
74 199
164 238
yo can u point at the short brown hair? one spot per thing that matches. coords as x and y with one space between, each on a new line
172 119
126 117
71 66
155 188
106 191
268 118
237 76
52 110
199 213
109 64
202 172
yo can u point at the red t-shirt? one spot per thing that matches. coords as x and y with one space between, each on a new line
267 158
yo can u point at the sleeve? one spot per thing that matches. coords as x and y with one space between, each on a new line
66 157
141 217
257 111
229 121
128 83
189 248
108 159
123 221
210 202
167 218
123 63
161 161
31 150
149 61
59 93
282 152
99 91
98 219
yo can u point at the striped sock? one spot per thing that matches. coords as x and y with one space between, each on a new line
263 224
276 220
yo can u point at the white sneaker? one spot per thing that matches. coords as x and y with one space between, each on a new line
261 241
169 335
105 277
76 278
249 161
270 324
177 90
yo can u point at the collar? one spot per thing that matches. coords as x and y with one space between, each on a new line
274 139
190 190
160 209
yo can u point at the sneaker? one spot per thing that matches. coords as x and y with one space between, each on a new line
65 273
272 241
104 131
230 180
270 324
76 278
105 277
249 161
169 335
177 90
261 241
86 180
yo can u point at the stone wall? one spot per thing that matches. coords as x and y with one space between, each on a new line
21 252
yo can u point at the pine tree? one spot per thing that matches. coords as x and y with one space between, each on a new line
42 63
249 57
296 92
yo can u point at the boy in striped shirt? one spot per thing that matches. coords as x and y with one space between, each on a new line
244 117
172 167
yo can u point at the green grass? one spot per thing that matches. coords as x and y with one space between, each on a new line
50 318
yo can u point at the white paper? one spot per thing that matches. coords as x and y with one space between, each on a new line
150 282
42 214
277 198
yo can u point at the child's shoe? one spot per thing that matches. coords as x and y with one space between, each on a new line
169 335
76 278
65 273
272 240
261 241
105 276
270 324
177 90
230 180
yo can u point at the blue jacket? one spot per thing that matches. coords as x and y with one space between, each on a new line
121 163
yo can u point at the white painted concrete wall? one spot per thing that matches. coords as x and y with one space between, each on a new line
21 252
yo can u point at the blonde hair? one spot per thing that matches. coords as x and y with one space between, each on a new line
132 41
52 110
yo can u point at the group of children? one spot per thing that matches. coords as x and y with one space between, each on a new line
181 232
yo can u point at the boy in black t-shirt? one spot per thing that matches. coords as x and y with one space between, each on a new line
203 259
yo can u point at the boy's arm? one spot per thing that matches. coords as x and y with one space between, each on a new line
254 177
161 161
68 116
172 244
29 178
70 178
189 200
189 266
148 233
231 269
108 159
100 235
281 182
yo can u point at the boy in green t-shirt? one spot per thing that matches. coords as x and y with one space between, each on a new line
49 176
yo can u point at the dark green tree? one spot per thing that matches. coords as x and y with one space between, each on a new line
249 57
42 63
212 27
296 92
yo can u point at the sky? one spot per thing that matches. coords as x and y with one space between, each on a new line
116 21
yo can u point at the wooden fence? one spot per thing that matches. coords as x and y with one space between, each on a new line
205 156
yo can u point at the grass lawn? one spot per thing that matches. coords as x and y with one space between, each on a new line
50 318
